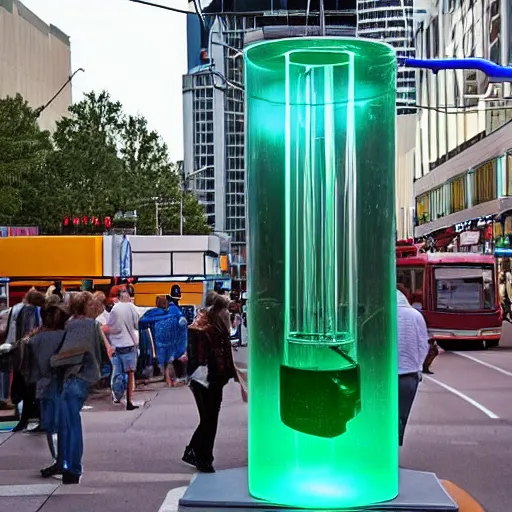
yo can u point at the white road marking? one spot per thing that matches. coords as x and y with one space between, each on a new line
501 370
10 491
172 500
469 400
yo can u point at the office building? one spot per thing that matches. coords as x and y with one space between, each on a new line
214 102
35 61
463 186
392 21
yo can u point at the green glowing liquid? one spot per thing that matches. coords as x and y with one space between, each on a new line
307 395
322 325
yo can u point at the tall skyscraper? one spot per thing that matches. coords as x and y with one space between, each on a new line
214 99
393 22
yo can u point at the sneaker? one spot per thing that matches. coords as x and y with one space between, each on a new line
52 470
20 427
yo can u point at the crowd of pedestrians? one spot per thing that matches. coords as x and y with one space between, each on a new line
55 359
59 342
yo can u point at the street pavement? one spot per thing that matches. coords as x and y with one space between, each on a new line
461 429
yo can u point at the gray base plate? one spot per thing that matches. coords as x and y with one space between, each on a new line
419 492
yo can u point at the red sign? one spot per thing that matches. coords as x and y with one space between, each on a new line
85 224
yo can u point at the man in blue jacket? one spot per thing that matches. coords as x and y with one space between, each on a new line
171 338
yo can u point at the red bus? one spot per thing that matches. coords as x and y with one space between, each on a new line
456 292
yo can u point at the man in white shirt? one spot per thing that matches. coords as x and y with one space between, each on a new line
412 350
123 333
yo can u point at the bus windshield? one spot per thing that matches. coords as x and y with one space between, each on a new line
464 288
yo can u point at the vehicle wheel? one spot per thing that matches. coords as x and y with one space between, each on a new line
491 343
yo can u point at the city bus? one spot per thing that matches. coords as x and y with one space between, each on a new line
456 293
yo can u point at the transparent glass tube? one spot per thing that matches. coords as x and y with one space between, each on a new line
320 146
320 370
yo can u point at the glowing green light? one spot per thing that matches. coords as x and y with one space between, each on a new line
320 169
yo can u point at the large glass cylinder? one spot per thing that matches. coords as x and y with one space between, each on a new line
323 421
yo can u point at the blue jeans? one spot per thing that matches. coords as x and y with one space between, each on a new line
74 394
50 408
122 363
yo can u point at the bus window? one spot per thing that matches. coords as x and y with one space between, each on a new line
412 279
464 289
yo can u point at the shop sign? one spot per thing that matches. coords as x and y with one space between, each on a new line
6 231
468 225
469 238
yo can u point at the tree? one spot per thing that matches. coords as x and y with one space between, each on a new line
87 157
26 181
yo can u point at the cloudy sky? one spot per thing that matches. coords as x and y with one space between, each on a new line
137 53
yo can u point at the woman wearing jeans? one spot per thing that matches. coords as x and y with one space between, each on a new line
210 367
40 349
78 363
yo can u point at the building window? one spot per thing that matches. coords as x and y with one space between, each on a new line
508 185
484 183
437 209
423 208
458 193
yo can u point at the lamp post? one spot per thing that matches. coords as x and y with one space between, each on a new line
184 183
38 111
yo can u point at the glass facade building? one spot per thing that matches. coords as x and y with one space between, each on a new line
462 163
392 21
213 96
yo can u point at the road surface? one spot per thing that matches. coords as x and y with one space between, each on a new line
461 428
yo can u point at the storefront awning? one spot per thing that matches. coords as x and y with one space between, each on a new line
496 207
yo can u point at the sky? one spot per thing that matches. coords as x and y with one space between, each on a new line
137 53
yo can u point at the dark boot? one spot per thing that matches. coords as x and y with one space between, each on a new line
189 456
70 478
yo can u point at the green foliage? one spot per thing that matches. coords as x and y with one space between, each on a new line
102 162
87 158
24 176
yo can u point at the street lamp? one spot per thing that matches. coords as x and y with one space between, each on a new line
38 111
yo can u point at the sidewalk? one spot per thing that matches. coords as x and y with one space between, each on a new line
131 460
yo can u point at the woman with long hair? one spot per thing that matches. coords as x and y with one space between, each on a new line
78 365
210 367
27 323
42 346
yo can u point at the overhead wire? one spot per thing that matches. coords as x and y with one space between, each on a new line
201 16
444 110
160 6
199 13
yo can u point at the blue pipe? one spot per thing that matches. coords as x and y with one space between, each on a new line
495 72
